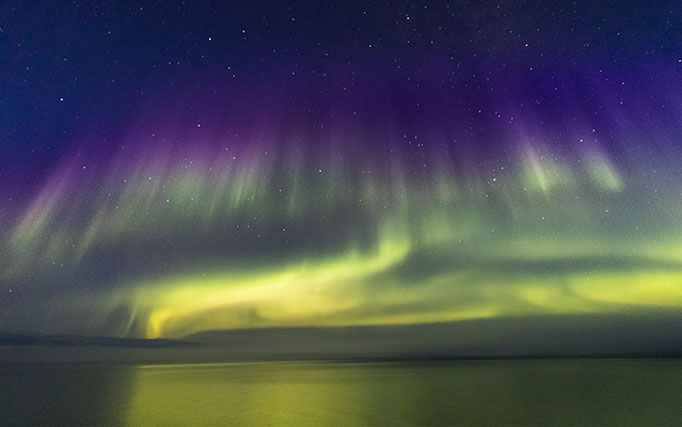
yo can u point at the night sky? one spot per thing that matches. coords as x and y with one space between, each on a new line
172 167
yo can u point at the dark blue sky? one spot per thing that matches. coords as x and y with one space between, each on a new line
84 68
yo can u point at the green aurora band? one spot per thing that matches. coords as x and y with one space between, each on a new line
281 235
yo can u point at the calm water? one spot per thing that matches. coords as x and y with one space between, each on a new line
538 392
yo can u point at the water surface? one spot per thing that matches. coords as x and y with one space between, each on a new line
517 392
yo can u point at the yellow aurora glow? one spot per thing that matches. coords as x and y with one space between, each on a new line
361 288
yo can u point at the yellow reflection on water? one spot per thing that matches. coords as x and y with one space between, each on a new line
521 392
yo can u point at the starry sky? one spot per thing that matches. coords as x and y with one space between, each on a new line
171 167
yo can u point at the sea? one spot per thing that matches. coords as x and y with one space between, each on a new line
390 393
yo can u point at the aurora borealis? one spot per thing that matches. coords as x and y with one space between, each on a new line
335 164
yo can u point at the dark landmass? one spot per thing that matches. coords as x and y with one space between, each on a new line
558 336
26 339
